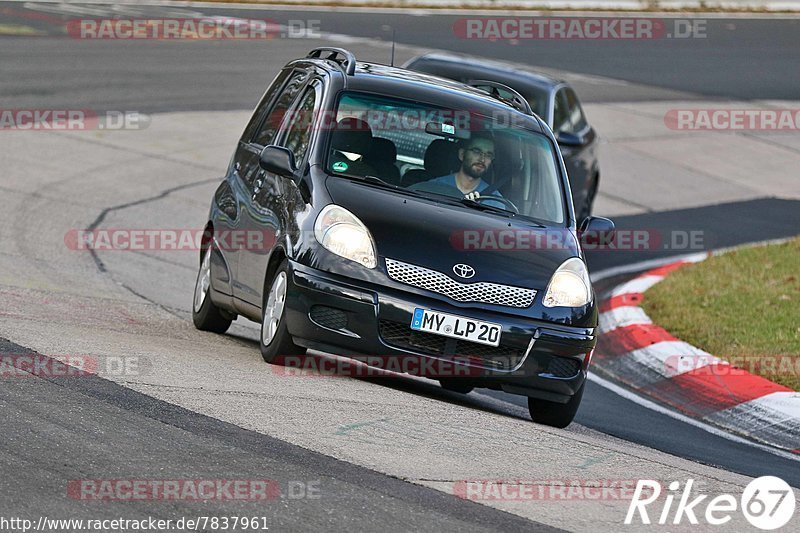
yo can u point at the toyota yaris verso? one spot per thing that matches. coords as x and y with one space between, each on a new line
403 215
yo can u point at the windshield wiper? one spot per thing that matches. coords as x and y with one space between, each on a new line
373 180
486 207
368 179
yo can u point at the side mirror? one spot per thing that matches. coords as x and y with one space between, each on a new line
569 139
278 160
597 232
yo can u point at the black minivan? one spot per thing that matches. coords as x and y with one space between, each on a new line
370 210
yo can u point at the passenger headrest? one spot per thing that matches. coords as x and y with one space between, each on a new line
352 135
382 150
441 158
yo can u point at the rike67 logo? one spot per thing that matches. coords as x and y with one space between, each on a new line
767 503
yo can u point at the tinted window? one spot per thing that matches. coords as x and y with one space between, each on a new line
451 153
299 129
271 124
576 118
269 96
561 113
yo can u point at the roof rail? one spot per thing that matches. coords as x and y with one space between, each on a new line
517 101
344 58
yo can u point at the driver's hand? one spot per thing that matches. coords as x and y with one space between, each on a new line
474 195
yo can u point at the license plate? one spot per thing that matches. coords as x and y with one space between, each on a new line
457 327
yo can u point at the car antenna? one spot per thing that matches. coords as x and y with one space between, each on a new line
387 27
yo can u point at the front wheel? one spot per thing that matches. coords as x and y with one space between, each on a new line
205 315
275 339
555 414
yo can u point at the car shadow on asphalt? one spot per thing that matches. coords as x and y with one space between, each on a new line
326 365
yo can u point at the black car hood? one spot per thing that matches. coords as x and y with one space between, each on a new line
439 236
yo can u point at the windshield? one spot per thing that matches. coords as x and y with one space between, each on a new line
447 155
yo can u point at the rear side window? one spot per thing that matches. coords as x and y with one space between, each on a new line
567 113
270 124
576 117
561 113
299 129
264 105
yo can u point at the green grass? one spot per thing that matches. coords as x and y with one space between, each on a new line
742 306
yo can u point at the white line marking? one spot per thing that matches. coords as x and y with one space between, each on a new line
636 285
672 358
694 258
635 398
637 267
620 317
782 404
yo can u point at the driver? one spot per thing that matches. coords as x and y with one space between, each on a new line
476 158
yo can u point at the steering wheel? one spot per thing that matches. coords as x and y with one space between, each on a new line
505 201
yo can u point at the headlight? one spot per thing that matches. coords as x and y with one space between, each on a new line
340 231
569 286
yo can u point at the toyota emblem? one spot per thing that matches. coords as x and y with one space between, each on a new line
464 271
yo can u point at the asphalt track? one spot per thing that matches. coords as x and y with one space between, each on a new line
104 427
739 58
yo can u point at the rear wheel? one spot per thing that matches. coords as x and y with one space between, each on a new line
275 339
205 315
555 414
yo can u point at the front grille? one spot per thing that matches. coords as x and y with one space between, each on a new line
494 357
328 317
481 292
402 335
563 367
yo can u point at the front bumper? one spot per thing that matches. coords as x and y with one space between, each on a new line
349 317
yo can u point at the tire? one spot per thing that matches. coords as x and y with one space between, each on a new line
205 315
555 414
274 339
456 385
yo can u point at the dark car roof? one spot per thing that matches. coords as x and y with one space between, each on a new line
496 68
417 86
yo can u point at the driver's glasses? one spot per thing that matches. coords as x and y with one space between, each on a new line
480 154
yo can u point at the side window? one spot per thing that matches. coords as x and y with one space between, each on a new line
561 120
576 117
263 106
299 129
272 122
